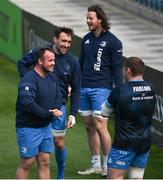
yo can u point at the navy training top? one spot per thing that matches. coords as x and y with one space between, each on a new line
36 95
133 104
101 61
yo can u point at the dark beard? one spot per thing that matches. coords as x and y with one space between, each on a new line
45 70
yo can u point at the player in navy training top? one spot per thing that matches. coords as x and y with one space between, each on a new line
101 61
133 104
38 101
67 70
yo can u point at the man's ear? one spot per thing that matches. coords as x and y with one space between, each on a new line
54 40
128 70
40 61
100 21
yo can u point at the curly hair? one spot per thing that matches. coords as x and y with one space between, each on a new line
100 15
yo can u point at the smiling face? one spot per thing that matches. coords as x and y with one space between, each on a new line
63 42
93 22
48 61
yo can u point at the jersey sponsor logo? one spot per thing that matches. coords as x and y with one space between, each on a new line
27 88
103 43
123 152
120 163
97 65
87 41
141 88
142 98
143 95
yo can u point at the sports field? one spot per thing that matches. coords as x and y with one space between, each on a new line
78 154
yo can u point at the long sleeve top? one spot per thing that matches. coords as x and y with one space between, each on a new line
36 96
101 60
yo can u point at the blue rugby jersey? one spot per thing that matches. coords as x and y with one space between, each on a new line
133 104
36 95
101 60
67 70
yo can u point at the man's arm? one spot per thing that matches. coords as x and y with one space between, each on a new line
75 89
116 58
27 100
81 58
109 105
26 62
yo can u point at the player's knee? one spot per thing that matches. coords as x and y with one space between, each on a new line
59 143
101 127
26 165
44 163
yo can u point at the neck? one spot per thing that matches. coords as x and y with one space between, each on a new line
97 31
40 71
55 49
136 78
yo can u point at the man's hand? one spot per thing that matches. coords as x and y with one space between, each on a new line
106 111
71 121
56 112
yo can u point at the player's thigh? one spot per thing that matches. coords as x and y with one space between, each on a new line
59 123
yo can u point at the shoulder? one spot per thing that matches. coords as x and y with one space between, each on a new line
29 76
87 36
114 40
71 59
29 80
72 56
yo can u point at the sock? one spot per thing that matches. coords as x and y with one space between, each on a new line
96 162
60 156
105 159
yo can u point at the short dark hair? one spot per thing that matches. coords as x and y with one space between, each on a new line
66 30
100 15
40 53
136 65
